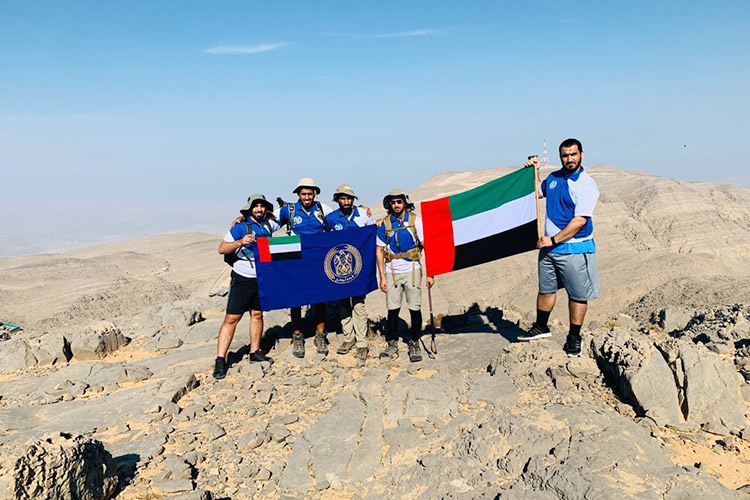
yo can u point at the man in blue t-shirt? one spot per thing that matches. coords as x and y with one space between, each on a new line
306 216
567 251
352 312
239 243
399 248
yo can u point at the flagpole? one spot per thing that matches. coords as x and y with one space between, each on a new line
539 224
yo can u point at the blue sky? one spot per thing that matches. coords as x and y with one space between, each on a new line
121 119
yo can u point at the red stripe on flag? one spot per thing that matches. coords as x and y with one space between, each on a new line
264 253
439 249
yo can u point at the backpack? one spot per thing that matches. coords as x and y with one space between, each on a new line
290 225
232 258
414 254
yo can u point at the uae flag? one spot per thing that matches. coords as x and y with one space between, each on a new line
489 222
281 248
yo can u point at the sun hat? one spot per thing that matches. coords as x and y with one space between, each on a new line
397 193
344 189
306 182
252 200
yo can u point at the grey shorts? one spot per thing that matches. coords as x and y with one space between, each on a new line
576 272
407 285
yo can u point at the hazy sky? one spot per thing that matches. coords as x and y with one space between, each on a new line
125 118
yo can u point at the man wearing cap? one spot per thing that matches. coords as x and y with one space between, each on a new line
352 312
239 242
306 216
399 248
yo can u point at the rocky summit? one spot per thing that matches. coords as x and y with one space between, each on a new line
107 392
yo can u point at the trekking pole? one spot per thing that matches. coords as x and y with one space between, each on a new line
433 345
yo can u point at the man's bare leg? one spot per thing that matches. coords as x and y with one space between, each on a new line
546 301
577 312
226 333
256 330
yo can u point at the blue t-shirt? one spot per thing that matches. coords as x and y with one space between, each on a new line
245 266
400 242
304 222
336 221
570 196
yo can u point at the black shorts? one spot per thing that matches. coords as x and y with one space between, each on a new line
243 295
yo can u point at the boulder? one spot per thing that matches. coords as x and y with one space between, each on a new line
672 319
16 355
95 341
639 374
60 467
709 387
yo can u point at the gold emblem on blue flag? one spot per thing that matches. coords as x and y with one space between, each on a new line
343 263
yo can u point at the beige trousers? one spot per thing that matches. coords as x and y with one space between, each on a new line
353 316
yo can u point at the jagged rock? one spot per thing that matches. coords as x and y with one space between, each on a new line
16 355
296 476
95 341
709 386
672 319
639 374
49 348
60 467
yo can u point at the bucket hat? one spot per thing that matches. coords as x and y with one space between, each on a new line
344 189
252 200
306 182
397 193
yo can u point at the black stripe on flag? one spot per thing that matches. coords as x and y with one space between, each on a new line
286 256
511 242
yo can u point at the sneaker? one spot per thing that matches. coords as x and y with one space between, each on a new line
415 353
572 345
391 351
220 368
360 354
259 357
321 343
346 347
298 345
534 333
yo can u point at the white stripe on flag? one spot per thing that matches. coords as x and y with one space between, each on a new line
512 214
285 248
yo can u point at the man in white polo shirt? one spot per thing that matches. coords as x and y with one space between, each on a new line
567 255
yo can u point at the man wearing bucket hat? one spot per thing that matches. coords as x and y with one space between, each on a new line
399 247
237 247
306 216
352 312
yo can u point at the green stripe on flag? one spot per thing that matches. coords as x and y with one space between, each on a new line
283 240
493 194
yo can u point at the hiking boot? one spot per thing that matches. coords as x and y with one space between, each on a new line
534 333
298 345
572 345
415 353
259 357
321 344
220 368
391 352
346 347
360 354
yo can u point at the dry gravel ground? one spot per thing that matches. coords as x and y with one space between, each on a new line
537 425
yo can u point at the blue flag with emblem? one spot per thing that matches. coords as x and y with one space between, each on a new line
324 267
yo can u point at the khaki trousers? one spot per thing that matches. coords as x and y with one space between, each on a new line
353 317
